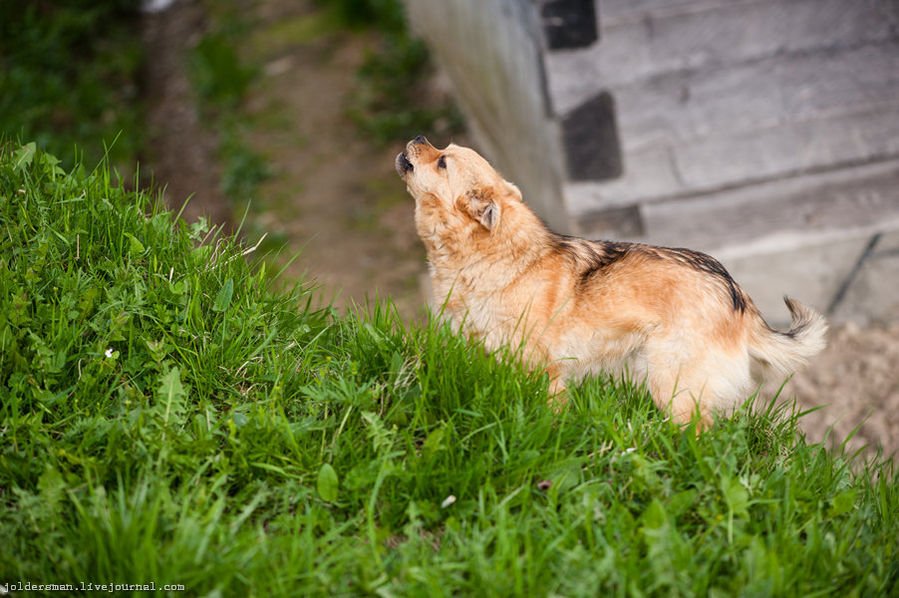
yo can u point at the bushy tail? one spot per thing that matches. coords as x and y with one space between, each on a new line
787 351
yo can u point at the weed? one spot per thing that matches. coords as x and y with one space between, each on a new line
244 167
387 104
385 15
218 75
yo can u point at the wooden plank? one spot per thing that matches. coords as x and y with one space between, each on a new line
648 173
811 270
661 171
787 150
772 92
726 35
872 296
846 198
618 11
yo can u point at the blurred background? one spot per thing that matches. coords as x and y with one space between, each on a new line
764 132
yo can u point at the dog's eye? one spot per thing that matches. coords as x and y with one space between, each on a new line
441 162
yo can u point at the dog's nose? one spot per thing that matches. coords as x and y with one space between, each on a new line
402 165
420 140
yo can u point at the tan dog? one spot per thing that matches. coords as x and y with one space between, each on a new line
672 317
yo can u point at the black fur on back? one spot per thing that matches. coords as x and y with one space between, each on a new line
706 263
593 256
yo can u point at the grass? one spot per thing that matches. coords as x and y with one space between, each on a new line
168 417
69 74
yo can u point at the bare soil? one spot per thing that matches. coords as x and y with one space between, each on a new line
855 382
334 195
181 152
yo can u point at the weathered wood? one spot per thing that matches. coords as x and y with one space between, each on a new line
692 36
789 150
807 268
872 294
680 107
726 163
839 199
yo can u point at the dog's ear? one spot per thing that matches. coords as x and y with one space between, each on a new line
482 206
514 191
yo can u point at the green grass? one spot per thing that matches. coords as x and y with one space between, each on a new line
168 416
69 74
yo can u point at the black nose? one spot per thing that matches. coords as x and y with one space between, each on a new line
402 165
420 139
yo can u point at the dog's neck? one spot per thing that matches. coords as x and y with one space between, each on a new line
458 262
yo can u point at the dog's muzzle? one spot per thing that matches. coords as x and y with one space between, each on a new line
403 165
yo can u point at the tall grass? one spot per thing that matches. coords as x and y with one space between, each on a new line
168 417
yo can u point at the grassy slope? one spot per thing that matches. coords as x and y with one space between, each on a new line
168 417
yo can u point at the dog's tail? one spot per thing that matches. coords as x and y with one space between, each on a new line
787 351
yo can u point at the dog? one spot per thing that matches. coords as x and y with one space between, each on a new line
671 317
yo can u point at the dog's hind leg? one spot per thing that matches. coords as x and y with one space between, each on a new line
714 382
678 384
558 397
670 394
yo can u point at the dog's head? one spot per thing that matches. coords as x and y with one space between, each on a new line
456 191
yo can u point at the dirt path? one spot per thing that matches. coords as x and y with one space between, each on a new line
335 196
855 381
335 193
182 153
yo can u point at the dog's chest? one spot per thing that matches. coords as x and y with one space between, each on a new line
478 314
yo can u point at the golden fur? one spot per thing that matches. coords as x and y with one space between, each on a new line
673 317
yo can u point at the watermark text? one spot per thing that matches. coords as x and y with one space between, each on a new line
7 588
